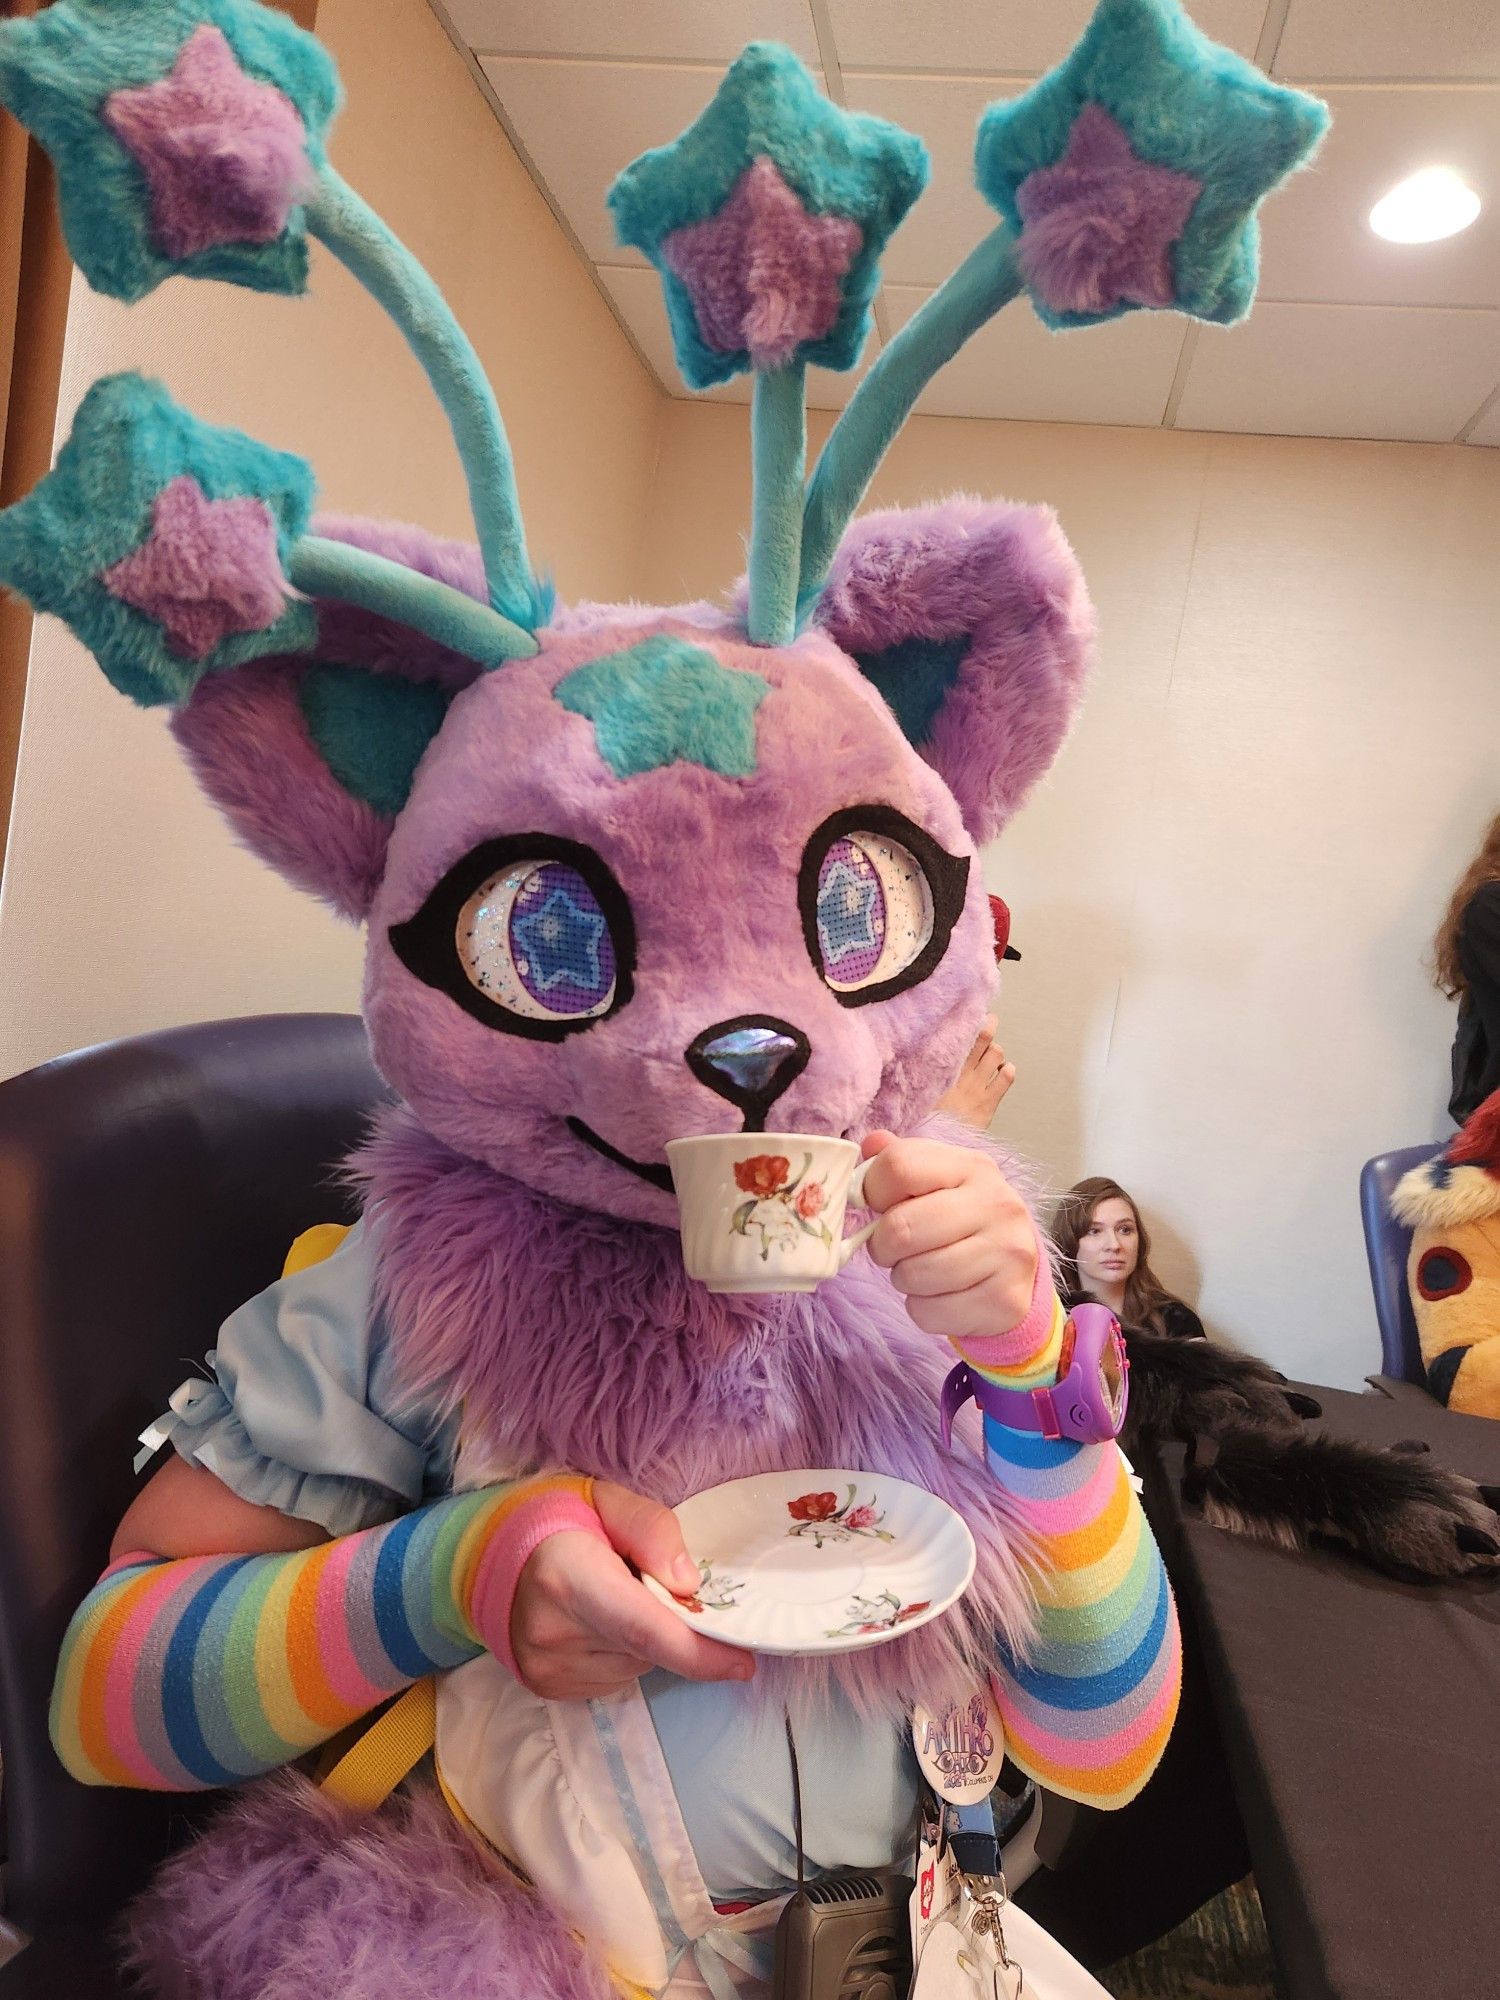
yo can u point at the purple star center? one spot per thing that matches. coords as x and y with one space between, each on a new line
225 157
208 568
1101 222
763 274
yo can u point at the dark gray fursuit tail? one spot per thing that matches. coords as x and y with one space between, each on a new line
1255 1469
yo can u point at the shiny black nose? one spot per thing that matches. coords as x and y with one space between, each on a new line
751 1061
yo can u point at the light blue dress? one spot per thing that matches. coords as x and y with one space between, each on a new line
301 1412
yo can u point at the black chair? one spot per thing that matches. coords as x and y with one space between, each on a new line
147 1188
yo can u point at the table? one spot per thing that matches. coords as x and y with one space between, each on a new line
1361 1721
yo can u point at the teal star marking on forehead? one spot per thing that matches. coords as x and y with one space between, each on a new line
667 701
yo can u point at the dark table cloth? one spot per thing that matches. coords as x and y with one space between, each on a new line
1361 1719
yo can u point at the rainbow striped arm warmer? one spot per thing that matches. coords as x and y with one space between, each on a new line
1088 1713
211 1669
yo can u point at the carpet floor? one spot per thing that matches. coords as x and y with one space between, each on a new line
1220 1953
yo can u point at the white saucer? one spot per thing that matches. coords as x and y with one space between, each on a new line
819 1562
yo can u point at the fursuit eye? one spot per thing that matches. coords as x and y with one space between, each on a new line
1443 1274
874 911
879 899
533 938
529 934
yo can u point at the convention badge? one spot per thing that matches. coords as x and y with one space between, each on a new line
937 1886
962 1749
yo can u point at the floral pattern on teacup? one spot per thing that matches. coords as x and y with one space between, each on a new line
876 1614
714 1593
827 1519
783 1207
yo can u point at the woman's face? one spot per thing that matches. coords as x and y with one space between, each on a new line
1108 1248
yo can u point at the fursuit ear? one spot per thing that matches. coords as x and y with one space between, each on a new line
972 620
310 756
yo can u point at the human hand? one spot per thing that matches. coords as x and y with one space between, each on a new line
982 1082
955 1236
581 1625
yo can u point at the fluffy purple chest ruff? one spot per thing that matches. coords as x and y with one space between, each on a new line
571 1338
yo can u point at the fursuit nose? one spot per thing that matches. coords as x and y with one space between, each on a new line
751 1061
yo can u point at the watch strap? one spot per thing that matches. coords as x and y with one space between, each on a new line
1018 1409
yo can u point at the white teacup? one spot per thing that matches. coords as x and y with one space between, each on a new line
764 1211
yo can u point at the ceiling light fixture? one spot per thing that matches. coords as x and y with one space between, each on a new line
1425 207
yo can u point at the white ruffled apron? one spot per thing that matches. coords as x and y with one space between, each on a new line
578 1796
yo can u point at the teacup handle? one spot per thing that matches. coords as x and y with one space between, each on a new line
856 1200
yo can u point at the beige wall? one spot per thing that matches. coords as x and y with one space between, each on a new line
126 905
1224 893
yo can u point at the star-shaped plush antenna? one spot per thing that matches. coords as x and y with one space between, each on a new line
186 135
1133 171
162 542
766 220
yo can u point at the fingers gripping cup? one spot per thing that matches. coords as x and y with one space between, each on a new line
764 1211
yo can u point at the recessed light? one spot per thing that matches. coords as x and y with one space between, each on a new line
1424 207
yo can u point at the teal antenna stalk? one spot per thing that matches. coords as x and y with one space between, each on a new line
778 451
351 229
987 279
322 568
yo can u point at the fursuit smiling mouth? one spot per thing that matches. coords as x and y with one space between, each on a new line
749 1061
658 1176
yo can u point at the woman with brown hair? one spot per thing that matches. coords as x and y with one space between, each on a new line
1106 1256
1466 964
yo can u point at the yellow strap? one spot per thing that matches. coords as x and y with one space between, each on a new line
313 1245
367 1774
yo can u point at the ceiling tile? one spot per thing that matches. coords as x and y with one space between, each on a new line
1390 38
582 122
1487 430
1120 373
1026 35
1343 371
645 30
637 293
952 215
1317 240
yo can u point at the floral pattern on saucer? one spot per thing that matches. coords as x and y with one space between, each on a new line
822 1517
714 1593
876 1614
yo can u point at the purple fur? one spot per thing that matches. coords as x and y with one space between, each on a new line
764 274
207 568
572 1339
1004 574
710 866
1101 222
245 737
225 157
290 1894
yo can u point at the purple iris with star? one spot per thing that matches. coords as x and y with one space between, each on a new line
560 941
851 914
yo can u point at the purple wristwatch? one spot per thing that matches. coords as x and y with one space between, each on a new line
1086 1404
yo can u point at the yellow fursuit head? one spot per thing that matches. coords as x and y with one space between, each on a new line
1452 1203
